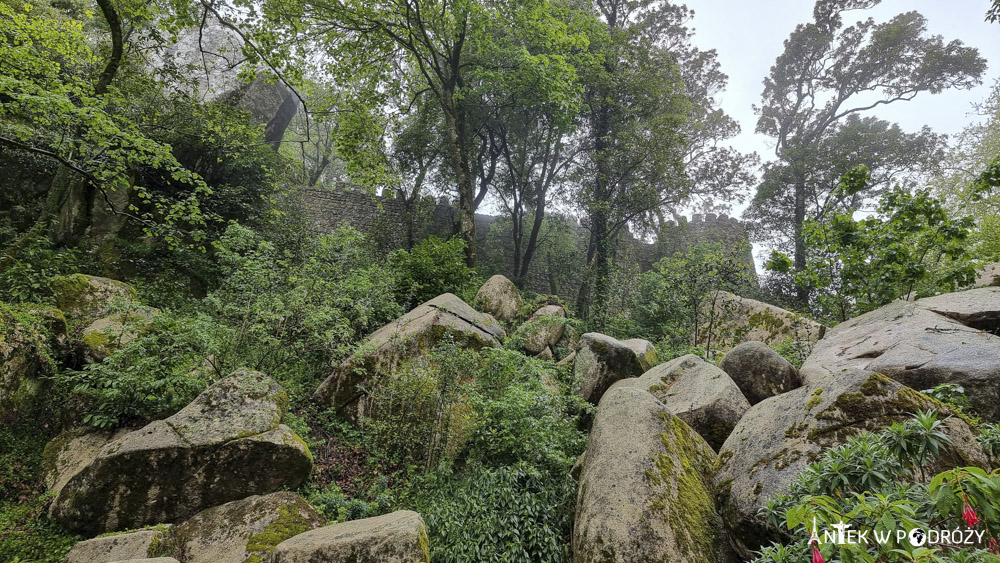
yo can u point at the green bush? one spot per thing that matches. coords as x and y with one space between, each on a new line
875 482
26 279
431 268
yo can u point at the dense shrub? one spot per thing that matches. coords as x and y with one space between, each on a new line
431 268
875 482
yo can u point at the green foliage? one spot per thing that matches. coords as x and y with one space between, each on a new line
910 245
677 300
508 513
335 506
868 482
989 439
514 440
432 267
950 394
27 278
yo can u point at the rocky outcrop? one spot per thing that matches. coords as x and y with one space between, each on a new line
645 492
500 298
601 361
759 371
85 298
399 537
141 544
644 351
227 444
30 337
698 393
950 338
413 334
243 530
739 319
778 438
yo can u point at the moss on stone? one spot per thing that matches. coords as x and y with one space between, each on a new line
812 403
425 544
686 499
289 523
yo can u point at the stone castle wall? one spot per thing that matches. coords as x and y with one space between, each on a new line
383 216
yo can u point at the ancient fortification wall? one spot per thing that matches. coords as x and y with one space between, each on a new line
384 217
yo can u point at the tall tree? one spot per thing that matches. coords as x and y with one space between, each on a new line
828 72
452 51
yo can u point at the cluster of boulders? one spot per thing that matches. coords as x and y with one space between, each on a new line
682 455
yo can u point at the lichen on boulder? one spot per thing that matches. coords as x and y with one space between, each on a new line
227 444
698 393
84 298
399 537
759 371
499 297
30 339
244 530
600 362
140 544
645 492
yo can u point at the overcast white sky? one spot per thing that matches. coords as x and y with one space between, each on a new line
749 35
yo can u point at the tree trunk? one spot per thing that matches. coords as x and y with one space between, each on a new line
536 227
458 152
802 293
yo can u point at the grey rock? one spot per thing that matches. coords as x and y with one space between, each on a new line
778 438
499 297
645 351
759 371
945 339
549 311
600 362
240 530
227 444
106 335
140 544
28 343
740 319
645 492
84 298
540 333
698 393
149 560
413 334
399 537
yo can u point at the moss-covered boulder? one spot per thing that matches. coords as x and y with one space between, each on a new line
227 444
759 371
645 492
601 361
499 297
399 537
84 298
140 544
698 393
951 338
70 452
739 319
780 436
106 335
540 333
30 339
645 351
244 530
150 560
413 334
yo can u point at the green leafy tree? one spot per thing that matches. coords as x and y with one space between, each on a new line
829 71
910 244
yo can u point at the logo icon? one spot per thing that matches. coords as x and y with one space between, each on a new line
917 537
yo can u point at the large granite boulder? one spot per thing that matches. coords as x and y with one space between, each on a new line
759 371
140 544
30 337
740 319
645 351
780 436
499 297
85 298
244 530
645 492
698 393
227 444
540 333
600 362
399 537
949 338
413 334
